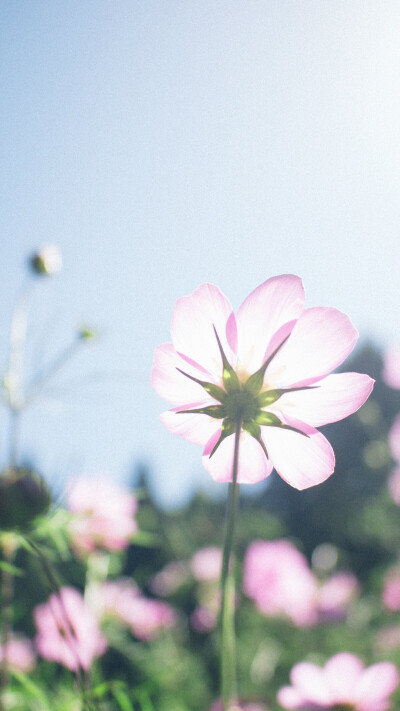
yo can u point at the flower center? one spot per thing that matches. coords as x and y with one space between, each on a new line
242 402
240 405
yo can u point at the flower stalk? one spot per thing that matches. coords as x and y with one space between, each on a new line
227 615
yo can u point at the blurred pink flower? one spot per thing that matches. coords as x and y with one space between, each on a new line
206 564
145 617
170 578
394 485
269 366
335 595
19 653
391 589
342 683
391 366
104 514
388 637
394 439
279 580
67 630
203 620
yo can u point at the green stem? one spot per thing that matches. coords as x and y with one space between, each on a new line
227 617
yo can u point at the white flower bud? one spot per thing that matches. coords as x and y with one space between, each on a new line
47 261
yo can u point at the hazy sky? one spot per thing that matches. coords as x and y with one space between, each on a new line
165 143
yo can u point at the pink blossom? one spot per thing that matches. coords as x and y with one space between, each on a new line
388 637
394 485
335 595
203 620
269 368
391 366
19 653
394 439
104 514
279 580
170 578
67 630
145 617
342 682
206 564
391 589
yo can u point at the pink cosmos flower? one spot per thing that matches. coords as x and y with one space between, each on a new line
121 599
170 578
394 439
394 485
335 595
206 564
279 580
391 589
67 630
388 638
394 446
391 366
267 368
104 514
19 653
342 683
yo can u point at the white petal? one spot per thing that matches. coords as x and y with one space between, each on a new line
192 327
329 400
320 341
274 305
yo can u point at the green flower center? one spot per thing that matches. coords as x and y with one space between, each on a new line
242 404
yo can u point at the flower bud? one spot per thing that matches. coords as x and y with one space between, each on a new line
23 497
86 333
47 261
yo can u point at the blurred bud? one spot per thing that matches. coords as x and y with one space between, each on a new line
47 261
86 334
23 497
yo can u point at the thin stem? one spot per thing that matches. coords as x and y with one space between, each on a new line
7 593
55 586
44 376
227 617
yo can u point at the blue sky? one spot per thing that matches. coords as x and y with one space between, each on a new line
163 144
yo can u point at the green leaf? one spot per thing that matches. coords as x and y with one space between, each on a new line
268 418
32 689
216 411
229 377
122 699
216 392
9 568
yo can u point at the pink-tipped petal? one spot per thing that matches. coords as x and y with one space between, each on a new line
169 383
302 461
328 400
376 684
253 464
195 428
320 341
277 302
310 683
192 327
342 672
